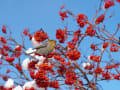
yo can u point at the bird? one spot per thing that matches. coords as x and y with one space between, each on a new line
46 48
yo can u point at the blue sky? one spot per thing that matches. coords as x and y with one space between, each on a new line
34 14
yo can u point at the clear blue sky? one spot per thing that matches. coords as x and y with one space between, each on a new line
34 14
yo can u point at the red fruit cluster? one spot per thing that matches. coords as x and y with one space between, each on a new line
118 1
17 51
6 47
3 40
41 79
89 67
45 67
81 20
61 70
105 45
60 59
63 15
70 77
61 35
40 36
98 70
10 59
93 47
71 45
18 67
32 74
32 64
100 19
3 52
114 48
73 55
90 31
108 4
95 58
54 53
75 39
19 48
68 63
25 32
54 84
77 32
76 35
4 29
106 75
116 76
112 66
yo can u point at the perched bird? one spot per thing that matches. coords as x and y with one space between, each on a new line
46 48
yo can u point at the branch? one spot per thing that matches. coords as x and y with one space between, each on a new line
84 74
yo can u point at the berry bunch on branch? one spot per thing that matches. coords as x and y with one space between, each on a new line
63 62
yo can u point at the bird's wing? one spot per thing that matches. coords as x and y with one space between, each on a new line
42 46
